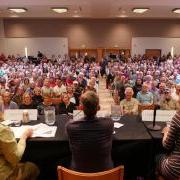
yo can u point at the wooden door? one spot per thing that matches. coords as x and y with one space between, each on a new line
153 53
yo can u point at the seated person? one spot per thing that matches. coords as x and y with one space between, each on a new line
90 138
129 105
27 102
7 102
11 153
46 90
145 97
37 98
70 93
17 98
116 98
46 103
91 86
167 102
176 93
66 106
77 91
59 88
168 164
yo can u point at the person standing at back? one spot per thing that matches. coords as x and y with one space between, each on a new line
90 138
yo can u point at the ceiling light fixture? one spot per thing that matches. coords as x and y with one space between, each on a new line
140 10
60 9
18 10
122 15
176 10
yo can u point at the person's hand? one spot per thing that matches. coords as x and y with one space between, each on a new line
28 133
165 130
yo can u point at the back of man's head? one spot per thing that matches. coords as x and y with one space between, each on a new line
90 102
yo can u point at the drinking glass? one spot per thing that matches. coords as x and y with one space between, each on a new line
49 113
115 112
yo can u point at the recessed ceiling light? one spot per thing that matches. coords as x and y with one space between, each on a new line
76 16
60 9
18 10
14 16
176 10
123 16
140 10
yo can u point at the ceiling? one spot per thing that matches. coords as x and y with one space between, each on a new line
91 8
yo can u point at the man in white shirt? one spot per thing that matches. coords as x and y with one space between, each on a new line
59 88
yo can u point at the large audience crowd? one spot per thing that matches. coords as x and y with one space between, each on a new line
144 82
53 82
60 81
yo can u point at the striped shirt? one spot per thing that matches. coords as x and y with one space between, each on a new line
170 165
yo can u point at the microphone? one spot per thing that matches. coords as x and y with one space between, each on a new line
154 126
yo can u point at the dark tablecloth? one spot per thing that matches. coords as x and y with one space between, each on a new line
132 147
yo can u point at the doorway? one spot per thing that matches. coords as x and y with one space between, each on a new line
153 53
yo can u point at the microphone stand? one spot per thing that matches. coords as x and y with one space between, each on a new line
154 126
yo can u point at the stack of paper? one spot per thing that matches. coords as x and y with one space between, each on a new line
39 130
118 125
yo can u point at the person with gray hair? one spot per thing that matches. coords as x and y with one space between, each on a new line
129 105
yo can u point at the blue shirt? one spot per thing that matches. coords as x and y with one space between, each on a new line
145 98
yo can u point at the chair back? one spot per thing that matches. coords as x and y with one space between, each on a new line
112 174
145 107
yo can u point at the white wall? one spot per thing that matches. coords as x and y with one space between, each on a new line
140 44
47 46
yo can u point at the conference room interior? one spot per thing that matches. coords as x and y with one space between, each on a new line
126 52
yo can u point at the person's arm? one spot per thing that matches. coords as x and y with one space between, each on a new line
12 150
151 98
135 108
138 97
122 108
170 133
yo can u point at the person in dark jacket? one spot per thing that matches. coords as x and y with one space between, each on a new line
66 106
90 138
27 102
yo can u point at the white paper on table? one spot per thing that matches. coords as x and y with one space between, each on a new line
39 130
6 123
118 125
147 115
164 115
17 114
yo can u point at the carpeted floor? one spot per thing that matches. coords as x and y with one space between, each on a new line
104 95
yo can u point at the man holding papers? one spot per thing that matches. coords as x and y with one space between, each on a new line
90 138
11 153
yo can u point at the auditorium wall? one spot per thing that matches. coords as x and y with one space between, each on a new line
93 33
140 44
47 46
